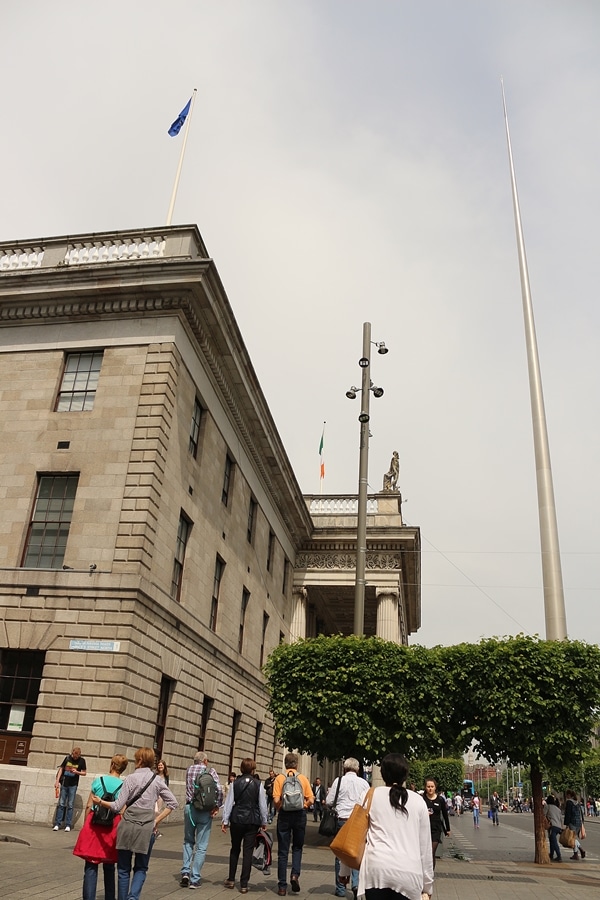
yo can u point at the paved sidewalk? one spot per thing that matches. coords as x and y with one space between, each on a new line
37 863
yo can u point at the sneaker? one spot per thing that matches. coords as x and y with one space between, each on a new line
185 880
68 828
55 828
194 885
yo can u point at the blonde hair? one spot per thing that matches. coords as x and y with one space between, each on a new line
144 757
119 763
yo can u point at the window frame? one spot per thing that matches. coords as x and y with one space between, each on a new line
227 480
88 377
179 557
214 603
46 525
198 413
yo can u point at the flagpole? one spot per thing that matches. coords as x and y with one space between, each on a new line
321 460
554 601
181 155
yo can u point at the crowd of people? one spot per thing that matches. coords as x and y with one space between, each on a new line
405 826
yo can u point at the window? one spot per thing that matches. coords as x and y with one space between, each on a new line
20 677
245 601
167 686
257 735
183 533
195 429
207 708
286 577
49 526
263 638
251 519
79 382
235 727
214 605
227 480
270 551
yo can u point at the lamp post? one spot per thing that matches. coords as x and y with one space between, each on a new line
363 472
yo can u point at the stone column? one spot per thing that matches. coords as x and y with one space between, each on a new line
388 626
298 625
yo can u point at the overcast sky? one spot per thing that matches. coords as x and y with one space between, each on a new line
347 163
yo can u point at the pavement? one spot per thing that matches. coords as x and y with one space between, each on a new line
37 863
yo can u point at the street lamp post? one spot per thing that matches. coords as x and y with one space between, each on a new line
363 472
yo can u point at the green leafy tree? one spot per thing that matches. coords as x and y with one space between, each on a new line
528 700
449 773
356 696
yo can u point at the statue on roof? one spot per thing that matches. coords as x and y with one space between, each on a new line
390 479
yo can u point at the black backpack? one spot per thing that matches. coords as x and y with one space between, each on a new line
205 792
102 815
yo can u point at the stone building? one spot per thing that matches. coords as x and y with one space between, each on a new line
154 543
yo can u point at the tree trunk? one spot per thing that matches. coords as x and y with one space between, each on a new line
542 855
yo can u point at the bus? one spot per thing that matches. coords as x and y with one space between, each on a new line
467 793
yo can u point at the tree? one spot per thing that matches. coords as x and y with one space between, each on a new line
519 698
449 773
527 700
363 697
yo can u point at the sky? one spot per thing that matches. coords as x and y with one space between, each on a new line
347 163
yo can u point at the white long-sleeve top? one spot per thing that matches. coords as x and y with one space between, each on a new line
352 791
398 852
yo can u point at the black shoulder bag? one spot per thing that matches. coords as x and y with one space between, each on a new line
329 823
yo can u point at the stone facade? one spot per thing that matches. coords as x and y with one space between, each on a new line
135 650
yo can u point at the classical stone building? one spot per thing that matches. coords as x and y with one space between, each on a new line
154 542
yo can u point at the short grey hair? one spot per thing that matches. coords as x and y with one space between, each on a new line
351 765
200 757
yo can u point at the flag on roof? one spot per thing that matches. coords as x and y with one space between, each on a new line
321 446
179 121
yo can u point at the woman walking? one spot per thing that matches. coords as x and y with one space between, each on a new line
97 844
397 862
573 820
476 807
554 817
438 814
137 828
244 811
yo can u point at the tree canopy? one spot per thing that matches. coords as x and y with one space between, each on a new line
521 698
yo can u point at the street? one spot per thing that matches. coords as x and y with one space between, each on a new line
511 841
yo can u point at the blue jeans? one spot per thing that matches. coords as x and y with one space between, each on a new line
475 817
291 828
554 845
132 891
196 833
340 888
90 881
495 817
65 801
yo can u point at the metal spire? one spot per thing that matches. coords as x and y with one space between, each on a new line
554 601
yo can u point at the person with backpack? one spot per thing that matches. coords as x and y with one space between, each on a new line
67 779
203 799
244 812
137 829
349 789
292 795
97 840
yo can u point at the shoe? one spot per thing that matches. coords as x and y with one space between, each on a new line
340 894
582 851
185 880
295 883
56 828
229 884
68 828
282 892
244 890
355 892
194 885
575 856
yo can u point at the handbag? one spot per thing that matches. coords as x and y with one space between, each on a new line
329 823
582 832
349 843
567 838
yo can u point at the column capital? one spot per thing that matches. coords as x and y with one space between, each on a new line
387 592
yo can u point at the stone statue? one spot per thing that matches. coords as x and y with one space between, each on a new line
390 479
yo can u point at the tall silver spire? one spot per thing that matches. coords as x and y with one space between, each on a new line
554 601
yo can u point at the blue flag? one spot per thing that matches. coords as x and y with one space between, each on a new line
178 123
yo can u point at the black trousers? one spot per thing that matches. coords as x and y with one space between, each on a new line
246 835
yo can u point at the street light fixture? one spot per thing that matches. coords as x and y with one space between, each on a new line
363 473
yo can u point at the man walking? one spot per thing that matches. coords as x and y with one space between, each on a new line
67 779
352 791
292 795
269 782
319 792
202 804
495 806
